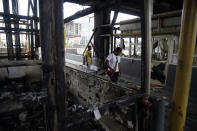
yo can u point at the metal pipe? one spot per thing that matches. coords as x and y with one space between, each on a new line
158 116
154 33
129 46
112 27
146 47
115 39
184 67
135 44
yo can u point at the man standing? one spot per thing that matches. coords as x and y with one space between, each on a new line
88 58
113 64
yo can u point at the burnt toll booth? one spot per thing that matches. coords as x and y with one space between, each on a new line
47 84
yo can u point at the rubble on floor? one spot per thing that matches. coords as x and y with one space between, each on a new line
24 108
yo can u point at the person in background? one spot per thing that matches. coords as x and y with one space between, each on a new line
113 64
88 56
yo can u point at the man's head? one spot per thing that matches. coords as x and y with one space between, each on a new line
118 51
89 47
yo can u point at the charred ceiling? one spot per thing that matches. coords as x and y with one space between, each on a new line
161 6
132 6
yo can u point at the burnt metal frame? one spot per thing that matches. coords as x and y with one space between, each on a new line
10 51
55 64
16 20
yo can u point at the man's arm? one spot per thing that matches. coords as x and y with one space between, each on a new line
107 63
109 57
120 73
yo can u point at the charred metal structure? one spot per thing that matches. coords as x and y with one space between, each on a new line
58 95
30 28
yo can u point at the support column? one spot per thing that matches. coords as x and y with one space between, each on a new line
135 44
115 39
170 49
52 41
101 17
184 67
146 46
6 9
158 116
121 40
35 14
32 40
17 33
59 62
130 46
112 28
111 42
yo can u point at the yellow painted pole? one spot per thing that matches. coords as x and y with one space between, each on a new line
184 68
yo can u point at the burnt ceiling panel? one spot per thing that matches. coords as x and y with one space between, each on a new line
132 6
161 6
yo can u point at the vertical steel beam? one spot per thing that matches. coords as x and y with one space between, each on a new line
35 14
28 7
146 46
184 66
115 38
52 41
112 28
170 49
111 42
16 25
6 9
130 47
115 17
29 26
43 29
32 40
121 40
135 44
